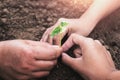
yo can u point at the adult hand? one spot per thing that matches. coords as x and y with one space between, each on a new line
25 59
78 26
92 60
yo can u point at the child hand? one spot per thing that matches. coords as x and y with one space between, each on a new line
78 26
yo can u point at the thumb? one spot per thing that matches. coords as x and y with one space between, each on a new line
75 63
58 50
68 60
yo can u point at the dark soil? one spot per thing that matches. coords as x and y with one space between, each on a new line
28 19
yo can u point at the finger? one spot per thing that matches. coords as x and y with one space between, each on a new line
58 38
57 23
50 40
39 74
68 60
74 63
16 75
34 43
97 41
44 37
110 59
108 56
108 53
77 52
47 53
46 34
68 44
83 42
44 65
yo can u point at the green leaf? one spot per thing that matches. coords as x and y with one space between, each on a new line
60 28
56 31
63 24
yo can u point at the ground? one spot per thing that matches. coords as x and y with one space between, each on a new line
28 19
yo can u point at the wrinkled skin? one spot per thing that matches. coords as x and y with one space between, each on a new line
92 60
25 59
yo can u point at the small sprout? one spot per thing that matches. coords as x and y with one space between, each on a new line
56 31
59 30
63 24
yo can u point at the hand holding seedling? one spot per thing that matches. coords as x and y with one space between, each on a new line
55 34
25 59
58 31
93 60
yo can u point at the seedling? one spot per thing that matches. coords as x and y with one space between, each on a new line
57 31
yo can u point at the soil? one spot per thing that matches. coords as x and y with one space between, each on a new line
28 19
